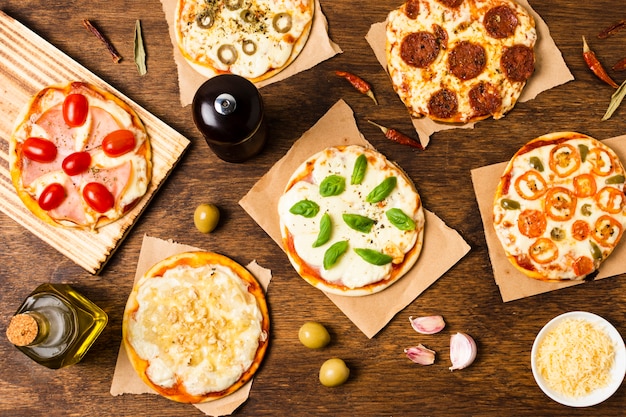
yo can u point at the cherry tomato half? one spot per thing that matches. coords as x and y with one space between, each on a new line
76 163
98 197
39 149
52 196
75 109
118 142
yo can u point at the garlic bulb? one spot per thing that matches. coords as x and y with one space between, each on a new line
420 354
427 324
462 351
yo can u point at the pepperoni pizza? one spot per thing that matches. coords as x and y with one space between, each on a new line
460 61
79 156
560 209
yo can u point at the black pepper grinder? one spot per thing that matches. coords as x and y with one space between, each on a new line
228 111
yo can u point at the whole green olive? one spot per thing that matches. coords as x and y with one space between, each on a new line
334 372
313 335
206 217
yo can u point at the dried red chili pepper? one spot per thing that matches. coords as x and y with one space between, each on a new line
357 82
398 137
611 30
620 65
594 65
115 56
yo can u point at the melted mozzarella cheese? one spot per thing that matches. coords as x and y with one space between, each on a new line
351 270
198 326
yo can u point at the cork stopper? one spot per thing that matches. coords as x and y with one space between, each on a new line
22 330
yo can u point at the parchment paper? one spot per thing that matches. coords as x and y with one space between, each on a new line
512 283
319 47
443 246
126 380
550 71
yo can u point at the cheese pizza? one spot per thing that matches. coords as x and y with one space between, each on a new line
79 156
196 327
352 222
460 61
255 39
560 209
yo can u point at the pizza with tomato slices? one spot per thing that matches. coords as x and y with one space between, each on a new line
560 209
255 39
196 327
79 156
352 222
460 61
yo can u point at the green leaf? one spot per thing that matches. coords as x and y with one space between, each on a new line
357 222
616 100
140 52
358 172
332 185
399 219
382 190
332 254
326 228
305 208
373 257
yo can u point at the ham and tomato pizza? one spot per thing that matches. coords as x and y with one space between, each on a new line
460 61
352 222
255 39
560 209
196 327
79 156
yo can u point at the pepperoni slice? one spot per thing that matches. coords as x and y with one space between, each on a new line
419 49
500 22
584 185
583 265
485 98
581 230
518 63
443 104
467 60
412 9
451 3
532 223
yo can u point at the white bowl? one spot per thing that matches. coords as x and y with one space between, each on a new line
617 371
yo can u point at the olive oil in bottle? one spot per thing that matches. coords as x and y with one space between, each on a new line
55 325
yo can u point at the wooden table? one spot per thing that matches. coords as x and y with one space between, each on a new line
383 382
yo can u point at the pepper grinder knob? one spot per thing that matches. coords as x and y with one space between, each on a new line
225 104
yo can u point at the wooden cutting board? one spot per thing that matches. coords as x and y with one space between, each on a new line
29 63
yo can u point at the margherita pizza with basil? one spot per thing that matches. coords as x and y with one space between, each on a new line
460 61
255 39
196 327
79 156
560 208
352 222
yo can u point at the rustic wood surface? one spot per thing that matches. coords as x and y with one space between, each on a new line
383 382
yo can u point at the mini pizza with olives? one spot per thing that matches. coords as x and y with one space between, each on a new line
196 327
352 222
460 61
560 209
255 39
79 156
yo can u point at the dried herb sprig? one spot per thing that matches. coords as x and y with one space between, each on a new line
91 28
140 51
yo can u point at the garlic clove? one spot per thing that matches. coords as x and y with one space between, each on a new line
462 351
420 354
427 324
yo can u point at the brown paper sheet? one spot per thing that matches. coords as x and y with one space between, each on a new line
550 71
126 380
512 283
319 48
443 246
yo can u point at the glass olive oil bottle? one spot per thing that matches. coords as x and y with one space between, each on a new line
55 325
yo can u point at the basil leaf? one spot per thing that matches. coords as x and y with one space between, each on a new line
382 190
616 100
399 219
140 52
373 257
325 231
358 172
306 208
332 185
357 222
332 254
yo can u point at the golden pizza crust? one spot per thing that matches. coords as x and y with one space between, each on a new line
195 260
